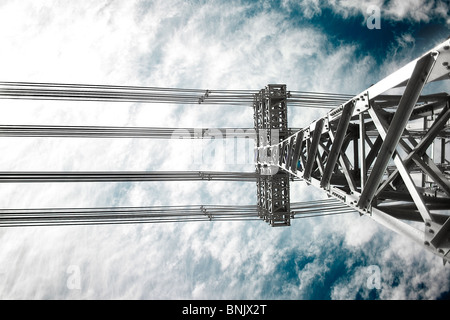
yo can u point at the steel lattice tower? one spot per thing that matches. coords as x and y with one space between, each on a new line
382 155
378 153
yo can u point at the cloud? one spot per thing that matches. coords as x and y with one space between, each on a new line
405 273
413 10
416 10
198 45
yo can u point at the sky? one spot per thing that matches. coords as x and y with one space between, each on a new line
308 45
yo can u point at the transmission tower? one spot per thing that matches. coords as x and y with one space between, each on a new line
379 153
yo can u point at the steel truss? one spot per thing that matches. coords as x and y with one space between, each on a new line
383 155
270 119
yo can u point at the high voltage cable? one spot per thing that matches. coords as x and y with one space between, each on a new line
123 215
123 132
114 93
157 214
124 176
126 132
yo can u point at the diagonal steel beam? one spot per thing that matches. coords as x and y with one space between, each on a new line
312 152
412 189
430 168
290 151
419 156
362 151
374 149
345 166
297 150
336 148
411 94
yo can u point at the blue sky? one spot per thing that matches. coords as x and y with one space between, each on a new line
343 28
309 45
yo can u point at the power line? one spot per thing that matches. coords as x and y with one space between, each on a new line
124 176
154 214
123 132
114 93
157 214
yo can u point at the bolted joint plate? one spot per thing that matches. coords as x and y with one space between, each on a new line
437 238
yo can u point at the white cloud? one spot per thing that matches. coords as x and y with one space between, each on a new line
411 10
165 43
416 10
